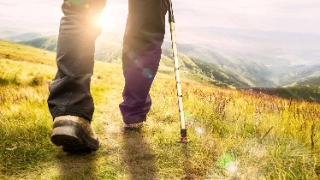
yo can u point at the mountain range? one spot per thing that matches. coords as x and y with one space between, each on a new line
265 58
248 58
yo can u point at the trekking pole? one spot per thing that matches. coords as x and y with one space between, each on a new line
183 130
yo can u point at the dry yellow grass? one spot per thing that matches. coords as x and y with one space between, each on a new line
234 134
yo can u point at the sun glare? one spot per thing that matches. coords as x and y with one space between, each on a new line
110 19
103 19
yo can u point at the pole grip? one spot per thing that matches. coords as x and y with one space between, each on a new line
171 16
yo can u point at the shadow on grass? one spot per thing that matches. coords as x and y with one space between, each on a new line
138 156
188 172
195 166
76 166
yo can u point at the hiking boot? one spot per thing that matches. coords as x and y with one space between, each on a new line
74 134
133 127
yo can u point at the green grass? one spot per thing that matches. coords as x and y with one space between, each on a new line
309 93
46 43
310 81
234 134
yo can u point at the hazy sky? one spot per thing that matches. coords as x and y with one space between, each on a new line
282 15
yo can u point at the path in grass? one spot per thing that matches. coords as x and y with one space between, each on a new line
122 155
150 154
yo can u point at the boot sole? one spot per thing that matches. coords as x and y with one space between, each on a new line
72 137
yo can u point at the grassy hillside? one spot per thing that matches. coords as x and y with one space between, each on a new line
310 81
109 49
234 134
23 37
310 73
246 69
47 43
252 65
203 72
309 93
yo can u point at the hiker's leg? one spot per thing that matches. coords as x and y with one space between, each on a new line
141 55
70 92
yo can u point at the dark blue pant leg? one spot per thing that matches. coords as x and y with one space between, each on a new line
141 55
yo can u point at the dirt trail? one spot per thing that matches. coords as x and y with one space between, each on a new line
120 156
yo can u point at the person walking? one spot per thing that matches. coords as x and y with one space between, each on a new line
70 101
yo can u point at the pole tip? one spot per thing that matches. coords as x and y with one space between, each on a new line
183 140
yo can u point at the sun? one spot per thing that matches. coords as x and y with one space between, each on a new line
110 19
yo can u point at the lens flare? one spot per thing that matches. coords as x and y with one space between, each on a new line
232 167
199 131
146 72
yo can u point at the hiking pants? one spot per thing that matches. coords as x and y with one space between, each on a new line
70 91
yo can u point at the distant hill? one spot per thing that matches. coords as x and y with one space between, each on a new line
309 93
253 58
310 81
253 73
5 34
47 43
300 74
274 54
205 72
109 49
23 37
